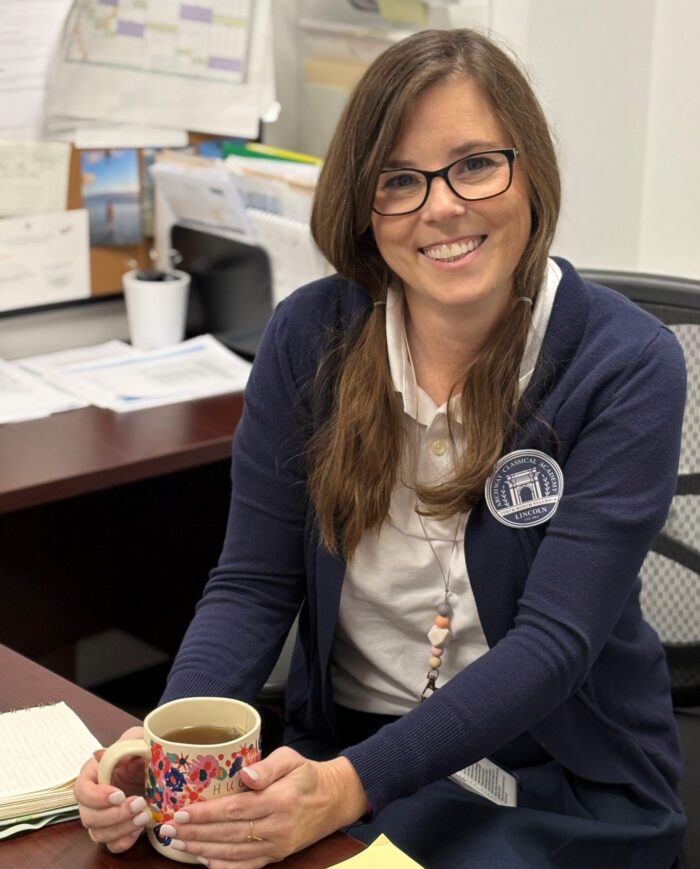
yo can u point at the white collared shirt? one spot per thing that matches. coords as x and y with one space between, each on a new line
392 584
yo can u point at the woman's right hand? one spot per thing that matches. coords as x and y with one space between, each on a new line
113 814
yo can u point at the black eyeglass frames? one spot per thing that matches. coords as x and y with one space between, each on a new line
477 176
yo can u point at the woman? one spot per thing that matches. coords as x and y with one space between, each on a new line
455 437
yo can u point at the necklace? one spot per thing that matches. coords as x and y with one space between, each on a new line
439 633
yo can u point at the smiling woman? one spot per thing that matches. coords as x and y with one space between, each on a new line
462 260
454 456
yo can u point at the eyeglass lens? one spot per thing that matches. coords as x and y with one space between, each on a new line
478 176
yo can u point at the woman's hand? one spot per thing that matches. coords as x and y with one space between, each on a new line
291 803
107 811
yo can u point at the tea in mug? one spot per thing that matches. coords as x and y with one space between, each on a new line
204 734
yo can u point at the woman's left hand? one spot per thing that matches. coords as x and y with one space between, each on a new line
291 803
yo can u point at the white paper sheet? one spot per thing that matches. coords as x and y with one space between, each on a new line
50 361
24 395
280 187
29 31
44 258
294 258
193 369
33 177
206 195
37 821
127 136
203 66
43 747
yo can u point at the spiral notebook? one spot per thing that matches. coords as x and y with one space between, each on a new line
44 749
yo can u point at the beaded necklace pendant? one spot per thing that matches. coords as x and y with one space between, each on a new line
439 635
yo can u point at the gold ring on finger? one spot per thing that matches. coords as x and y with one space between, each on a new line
91 836
251 837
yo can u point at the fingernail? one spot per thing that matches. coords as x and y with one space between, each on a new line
253 773
181 817
141 819
203 861
167 830
116 798
138 805
177 844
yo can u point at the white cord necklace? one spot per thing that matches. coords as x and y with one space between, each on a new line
439 633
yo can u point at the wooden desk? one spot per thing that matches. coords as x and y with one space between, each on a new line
67 845
91 449
95 505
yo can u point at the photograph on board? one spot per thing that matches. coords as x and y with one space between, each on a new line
111 191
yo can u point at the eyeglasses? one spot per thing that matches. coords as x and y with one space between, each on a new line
477 176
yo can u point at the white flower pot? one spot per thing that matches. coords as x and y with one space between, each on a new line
156 310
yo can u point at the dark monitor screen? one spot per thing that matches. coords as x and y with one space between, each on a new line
231 289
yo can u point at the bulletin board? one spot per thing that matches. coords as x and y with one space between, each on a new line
79 71
108 264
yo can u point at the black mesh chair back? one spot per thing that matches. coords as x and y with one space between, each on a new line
671 571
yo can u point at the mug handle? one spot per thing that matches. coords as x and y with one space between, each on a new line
112 756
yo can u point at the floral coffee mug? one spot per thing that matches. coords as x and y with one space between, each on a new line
194 749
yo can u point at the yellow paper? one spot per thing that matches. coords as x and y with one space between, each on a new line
381 854
405 11
33 177
337 72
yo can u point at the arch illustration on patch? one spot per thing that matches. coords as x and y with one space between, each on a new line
524 489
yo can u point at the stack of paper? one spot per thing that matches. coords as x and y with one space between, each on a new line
278 186
24 395
193 369
44 749
26 392
199 192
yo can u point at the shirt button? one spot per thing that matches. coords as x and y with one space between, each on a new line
439 448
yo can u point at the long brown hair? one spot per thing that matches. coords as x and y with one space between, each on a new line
355 455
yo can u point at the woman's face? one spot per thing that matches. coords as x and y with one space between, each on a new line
448 120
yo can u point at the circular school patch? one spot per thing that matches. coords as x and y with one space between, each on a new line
525 488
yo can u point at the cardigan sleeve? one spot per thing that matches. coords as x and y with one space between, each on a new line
257 587
619 479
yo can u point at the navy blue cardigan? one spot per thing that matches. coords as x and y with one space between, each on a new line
571 660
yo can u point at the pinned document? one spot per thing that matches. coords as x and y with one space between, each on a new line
406 11
28 33
44 258
204 67
33 177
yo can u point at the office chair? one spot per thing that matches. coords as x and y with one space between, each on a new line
671 571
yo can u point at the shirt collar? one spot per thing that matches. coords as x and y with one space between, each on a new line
541 312
416 402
